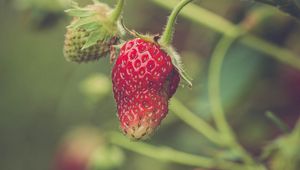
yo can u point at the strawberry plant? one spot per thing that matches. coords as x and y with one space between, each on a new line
146 74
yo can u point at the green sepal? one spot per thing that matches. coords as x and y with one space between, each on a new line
94 37
86 19
176 61
91 26
76 11
84 23
80 12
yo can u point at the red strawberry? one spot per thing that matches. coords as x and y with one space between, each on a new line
144 79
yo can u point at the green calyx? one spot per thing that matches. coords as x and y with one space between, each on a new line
175 57
167 37
99 20
165 40
176 60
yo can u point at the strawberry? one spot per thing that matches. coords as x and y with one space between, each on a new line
92 32
145 76
144 79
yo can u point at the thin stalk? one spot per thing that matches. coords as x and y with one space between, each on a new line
195 122
215 97
167 35
217 23
280 54
269 2
291 7
116 13
214 83
279 123
167 154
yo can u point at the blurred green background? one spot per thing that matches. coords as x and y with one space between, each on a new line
43 97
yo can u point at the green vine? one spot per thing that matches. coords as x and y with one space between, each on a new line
195 122
217 23
222 135
291 7
215 98
167 154
115 15
167 35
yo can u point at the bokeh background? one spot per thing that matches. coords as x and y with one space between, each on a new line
43 97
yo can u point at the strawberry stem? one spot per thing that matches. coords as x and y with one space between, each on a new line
116 13
167 35
218 113
195 122
171 155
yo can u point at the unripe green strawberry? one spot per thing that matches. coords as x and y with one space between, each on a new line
76 39
92 32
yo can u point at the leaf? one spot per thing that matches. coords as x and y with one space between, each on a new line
285 149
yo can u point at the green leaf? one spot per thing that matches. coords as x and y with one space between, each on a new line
284 152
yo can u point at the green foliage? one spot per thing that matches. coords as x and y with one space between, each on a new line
284 152
42 96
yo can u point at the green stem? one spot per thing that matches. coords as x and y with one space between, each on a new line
167 35
280 54
279 123
213 21
214 82
195 122
269 2
215 97
170 155
116 13
288 6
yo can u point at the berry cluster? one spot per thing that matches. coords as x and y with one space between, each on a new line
145 74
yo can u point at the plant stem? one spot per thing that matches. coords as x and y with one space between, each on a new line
269 2
280 54
167 35
170 155
288 6
116 13
215 97
213 21
214 82
195 122
276 120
